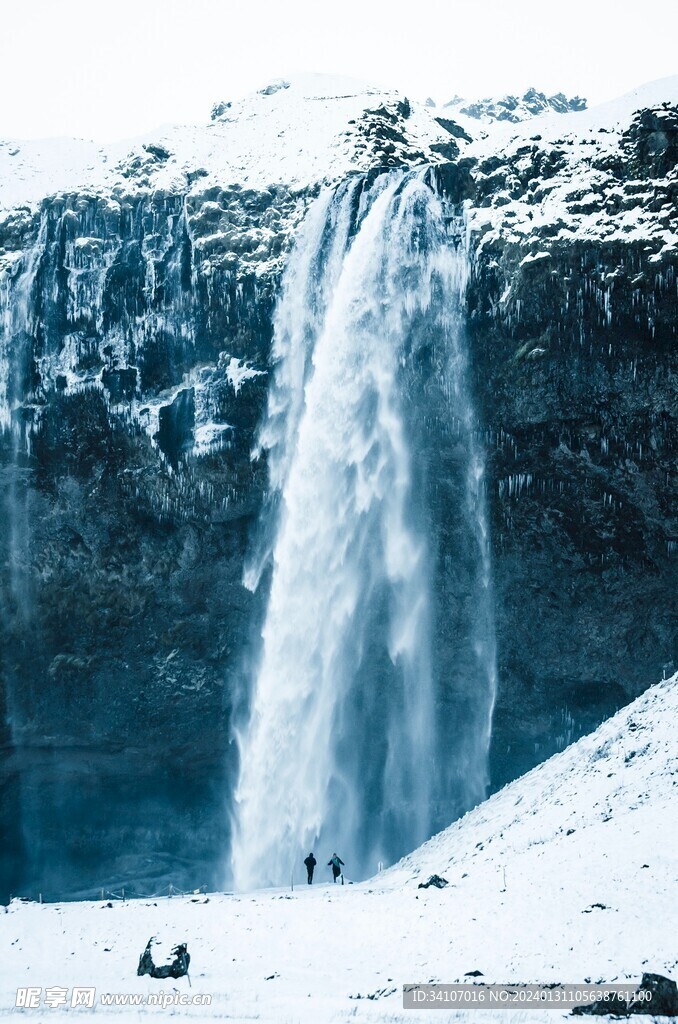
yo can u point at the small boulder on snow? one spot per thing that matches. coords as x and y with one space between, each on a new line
435 880
177 969
662 1001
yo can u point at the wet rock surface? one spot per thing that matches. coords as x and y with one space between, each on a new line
574 372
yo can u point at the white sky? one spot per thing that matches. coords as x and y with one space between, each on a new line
108 69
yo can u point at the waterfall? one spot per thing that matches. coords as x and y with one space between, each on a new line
344 746
19 326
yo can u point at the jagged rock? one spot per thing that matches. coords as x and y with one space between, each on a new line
159 152
651 142
453 128
177 969
219 109
435 880
448 150
517 108
176 425
274 87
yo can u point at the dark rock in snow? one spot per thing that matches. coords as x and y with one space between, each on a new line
517 108
159 152
453 128
219 108
656 996
434 880
177 969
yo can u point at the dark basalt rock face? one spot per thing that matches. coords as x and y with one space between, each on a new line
124 617
651 143
580 422
573 347
139 348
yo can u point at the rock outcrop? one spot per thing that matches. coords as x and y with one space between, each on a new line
516 108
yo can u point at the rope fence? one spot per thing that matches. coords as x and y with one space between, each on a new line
123 894
128 892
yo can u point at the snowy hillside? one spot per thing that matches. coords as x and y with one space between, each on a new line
302 131
581 175
567 875
621 780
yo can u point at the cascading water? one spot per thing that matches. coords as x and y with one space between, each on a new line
345 746
19 322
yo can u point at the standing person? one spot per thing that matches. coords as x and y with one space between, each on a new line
310 863
336 863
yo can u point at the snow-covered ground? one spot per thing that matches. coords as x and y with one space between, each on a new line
567 875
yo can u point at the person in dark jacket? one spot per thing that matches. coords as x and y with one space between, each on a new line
336 863
310 863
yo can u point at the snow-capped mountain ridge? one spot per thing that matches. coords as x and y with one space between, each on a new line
299 132
312 129
515 108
